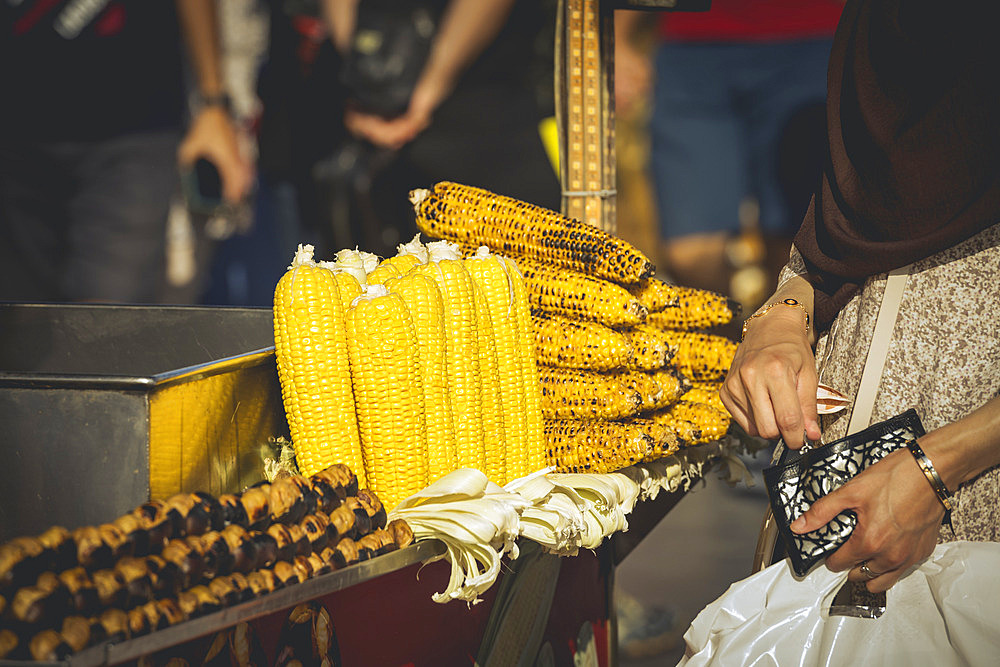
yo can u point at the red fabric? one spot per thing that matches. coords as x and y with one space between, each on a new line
753 21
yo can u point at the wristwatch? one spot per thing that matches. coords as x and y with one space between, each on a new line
221 100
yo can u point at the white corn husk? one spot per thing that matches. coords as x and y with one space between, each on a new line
415 248
477 521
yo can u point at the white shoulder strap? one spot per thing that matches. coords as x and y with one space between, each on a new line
864 402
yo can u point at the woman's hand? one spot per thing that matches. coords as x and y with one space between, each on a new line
898 520
213 136
771 386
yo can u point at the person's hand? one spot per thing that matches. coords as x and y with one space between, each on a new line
771 386
213 137
394 133
898 520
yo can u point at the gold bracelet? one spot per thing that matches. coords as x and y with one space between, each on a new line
931 474
765 309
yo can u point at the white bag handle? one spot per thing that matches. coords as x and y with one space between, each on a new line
864 402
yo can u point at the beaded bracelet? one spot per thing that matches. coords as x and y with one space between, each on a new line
931 474
764 310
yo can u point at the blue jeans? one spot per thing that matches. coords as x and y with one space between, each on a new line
720 132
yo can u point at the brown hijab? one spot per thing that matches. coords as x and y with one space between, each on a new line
913 120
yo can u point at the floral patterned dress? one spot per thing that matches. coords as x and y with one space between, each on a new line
943 360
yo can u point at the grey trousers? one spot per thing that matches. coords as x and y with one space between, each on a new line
86 221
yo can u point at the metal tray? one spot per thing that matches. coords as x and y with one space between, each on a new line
104 407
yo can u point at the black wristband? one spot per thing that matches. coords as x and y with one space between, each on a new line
221 100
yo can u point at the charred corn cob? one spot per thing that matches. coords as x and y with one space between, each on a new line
646 386
491 275
649 350
533 456
579 296
494 463
461 358
687 432
711 423
388 387
473 216
580 344
672 384
655 294
423 299
695 309
576 394
701 356
595 446
705 392
311 350
665 440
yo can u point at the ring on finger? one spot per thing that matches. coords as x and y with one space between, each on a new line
866 572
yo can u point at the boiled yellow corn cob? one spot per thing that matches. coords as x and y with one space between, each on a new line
665 440
475 217
534 450
701 356
495 458
311 349
595 446
568 343
462 358
579 296
349 287
388 393
491 274
403 262
649 349
383 272
695 309
705 392
575 394
423 299
711 423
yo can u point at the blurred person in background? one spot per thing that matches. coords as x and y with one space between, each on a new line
736 127
466 108
91 141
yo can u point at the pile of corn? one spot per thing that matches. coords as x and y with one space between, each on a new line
409 368
628 373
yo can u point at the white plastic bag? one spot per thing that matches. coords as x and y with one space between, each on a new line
944 612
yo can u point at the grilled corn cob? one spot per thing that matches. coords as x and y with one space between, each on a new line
701 356
461 358
473 216
494 463
579 344
711 423
576 394
595 446
672 384
665 440
388 387
687 432
705 392
579 296
649 349
655 294
695 309
423 299
491 275
311 350
532 458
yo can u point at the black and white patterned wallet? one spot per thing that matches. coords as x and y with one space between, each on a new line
801 478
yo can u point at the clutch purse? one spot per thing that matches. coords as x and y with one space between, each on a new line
800 478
